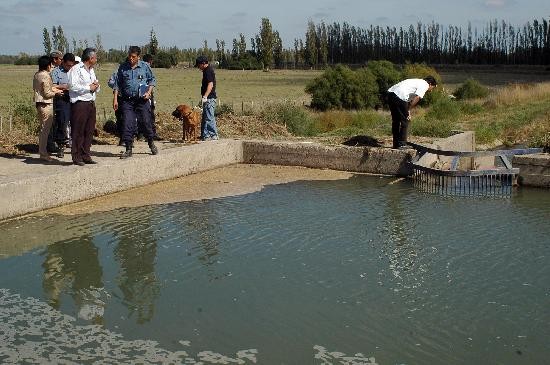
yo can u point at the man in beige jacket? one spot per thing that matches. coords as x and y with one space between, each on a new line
44 91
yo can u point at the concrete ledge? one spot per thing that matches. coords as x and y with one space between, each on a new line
28 186
372 160
534 170
68 184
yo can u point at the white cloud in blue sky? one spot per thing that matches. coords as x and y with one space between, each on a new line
186 23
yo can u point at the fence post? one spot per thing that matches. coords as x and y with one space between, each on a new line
11 117
104 115
242 106
1 122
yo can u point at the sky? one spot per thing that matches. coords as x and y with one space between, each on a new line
187 24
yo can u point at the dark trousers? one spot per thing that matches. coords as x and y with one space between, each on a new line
83 118
136 111
400 120
62 117
119 119
153 126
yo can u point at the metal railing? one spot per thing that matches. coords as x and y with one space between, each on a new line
496 181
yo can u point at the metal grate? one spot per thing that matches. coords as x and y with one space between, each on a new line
496 181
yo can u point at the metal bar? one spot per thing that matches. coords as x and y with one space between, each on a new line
454 163
505 161
519 151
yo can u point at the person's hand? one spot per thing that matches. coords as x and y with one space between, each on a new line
204 99
147 95
115 105
94 86
409 116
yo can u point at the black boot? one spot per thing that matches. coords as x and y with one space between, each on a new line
128 152
61 151
154 149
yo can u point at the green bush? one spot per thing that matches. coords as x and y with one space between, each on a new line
444 109
420 71
165 59
342 88
439 120
423 126
386 74
471 89
296 119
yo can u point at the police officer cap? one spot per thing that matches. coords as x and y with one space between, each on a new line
200 60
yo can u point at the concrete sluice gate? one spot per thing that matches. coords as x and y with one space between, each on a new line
464 171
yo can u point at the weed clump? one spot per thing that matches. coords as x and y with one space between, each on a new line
471 89
294 117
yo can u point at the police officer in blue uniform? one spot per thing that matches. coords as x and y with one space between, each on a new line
134 86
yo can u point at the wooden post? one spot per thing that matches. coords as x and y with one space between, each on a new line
1 122
104 115
242 106
11 118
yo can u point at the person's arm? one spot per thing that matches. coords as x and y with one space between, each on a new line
414 101
209 88
151 82
115 100
47 90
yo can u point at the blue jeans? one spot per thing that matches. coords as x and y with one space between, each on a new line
208 124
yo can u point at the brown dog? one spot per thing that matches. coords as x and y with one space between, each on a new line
191 121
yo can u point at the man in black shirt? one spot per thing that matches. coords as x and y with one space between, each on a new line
209 130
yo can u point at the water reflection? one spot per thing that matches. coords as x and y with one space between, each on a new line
202 228
400 246
73 267
136 254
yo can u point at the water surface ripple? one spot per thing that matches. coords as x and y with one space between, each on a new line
348 271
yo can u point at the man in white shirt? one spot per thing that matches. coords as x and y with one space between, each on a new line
402 97
83 86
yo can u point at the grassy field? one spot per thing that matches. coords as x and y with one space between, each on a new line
250 89
268 104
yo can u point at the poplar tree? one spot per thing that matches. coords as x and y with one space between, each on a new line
266 43
311 45
47 41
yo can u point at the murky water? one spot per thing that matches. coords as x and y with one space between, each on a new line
329 272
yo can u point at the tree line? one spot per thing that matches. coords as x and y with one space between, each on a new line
498 42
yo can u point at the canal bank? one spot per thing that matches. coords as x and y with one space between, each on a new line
28 185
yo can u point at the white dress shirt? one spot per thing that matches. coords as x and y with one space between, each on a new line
407 89
80 78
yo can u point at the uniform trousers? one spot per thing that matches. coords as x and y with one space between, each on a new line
136 111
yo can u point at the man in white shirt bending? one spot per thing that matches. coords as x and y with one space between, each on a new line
402 97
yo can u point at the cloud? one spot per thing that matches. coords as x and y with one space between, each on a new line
139 4
494 3
31 7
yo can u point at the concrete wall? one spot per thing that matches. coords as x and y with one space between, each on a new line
72 184
357 159
534 170
461 142
49 186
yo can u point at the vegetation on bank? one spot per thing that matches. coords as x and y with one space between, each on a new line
510 115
